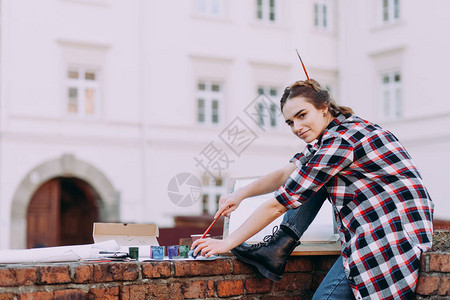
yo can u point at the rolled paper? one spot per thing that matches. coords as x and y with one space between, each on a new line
134 252
172 251
183 251
157 252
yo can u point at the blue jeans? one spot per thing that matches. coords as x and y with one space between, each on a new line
335 285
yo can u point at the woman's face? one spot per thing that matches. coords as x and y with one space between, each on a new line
306 122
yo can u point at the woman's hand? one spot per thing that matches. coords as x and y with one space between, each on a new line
208 247
228 203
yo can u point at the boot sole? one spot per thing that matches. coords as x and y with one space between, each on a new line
266 273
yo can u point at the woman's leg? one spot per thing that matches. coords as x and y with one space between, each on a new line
298 220
335 285
270 256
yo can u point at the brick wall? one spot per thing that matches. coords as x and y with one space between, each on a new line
434 276
223 278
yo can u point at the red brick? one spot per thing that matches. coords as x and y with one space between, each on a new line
101 273
83 273
7 277
37 296
227 288
444 286
130 271
156 269
105 272
53 274
242 268
7 296
440 262
427 285
163 290
106 293
72 294
299 264
26 276
425 262
151 291
258 285
202 268
323 263
293 282
198 289
131 292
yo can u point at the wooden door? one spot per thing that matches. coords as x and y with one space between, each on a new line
43 216
62 212
79 211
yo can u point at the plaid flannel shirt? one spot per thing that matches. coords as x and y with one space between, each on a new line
382 209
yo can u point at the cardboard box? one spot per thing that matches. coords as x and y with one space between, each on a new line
127 234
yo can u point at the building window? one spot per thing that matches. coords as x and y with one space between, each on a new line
266 10
212 189
322 14
391 96
83 92
390 11
210 8
209 99
267 108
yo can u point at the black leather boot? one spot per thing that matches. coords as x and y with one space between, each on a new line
269 256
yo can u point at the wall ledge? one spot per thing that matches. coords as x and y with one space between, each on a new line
225 277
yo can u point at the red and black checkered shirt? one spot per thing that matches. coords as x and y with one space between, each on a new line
382 209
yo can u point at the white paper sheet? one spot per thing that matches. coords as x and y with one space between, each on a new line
56 254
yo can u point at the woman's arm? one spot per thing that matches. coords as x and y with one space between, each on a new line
263 185
261 217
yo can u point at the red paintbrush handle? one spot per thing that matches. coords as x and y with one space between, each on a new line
209 228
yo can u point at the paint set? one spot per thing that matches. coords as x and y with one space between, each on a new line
173 251
158 252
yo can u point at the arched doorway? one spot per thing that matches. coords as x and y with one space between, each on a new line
66 166
62 212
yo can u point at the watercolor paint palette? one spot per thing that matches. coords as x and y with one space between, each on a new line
213 257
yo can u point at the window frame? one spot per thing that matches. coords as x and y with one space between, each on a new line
323 21
209 98
274 111
211 191
265 10
389 12
391 106
82 85
208 10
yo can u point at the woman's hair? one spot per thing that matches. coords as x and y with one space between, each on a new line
320 98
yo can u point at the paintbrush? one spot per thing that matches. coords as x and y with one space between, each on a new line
301 61
191 252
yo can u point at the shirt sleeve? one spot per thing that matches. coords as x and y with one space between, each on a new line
333 155
303 157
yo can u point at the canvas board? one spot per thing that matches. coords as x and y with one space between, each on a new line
321 230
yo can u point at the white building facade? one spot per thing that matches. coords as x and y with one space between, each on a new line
122 101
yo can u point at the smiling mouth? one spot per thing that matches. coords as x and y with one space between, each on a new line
302 133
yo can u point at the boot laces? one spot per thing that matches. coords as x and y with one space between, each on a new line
266 239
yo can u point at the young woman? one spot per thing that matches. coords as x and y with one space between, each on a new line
382 209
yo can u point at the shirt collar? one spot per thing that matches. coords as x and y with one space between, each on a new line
336 121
